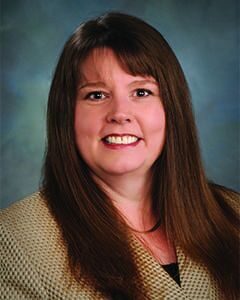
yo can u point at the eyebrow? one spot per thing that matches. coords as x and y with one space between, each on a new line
102 84
143 81
92 84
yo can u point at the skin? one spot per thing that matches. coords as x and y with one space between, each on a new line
111 101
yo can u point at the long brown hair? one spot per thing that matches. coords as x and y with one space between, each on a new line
194 212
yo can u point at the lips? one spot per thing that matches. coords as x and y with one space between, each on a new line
120 139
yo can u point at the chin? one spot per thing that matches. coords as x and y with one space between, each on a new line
123 169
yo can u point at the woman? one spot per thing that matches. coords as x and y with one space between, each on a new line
125 210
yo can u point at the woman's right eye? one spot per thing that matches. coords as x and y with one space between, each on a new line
96 96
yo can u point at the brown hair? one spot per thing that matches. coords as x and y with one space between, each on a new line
194 212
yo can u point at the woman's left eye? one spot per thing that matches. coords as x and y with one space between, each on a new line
142 93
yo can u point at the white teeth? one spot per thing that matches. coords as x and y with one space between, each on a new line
126 139
131 139
118 140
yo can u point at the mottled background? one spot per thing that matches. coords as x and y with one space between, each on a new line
204 35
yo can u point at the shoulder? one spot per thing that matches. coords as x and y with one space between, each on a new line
28 212
30 223
228 200
33 255
24 231
28 216
30 229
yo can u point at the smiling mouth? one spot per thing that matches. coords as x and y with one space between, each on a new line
120 140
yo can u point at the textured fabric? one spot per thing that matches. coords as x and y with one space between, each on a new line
33 262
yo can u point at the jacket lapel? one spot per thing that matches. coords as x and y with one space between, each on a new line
196 281
158 284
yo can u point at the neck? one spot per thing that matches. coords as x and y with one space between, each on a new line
131 196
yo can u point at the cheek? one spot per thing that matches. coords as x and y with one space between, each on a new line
84 121
156 130
87 126
157 120
81 128
83 138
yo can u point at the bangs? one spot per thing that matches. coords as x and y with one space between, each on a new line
137 50
133 61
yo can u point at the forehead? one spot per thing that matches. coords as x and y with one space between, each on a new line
99 63
102 64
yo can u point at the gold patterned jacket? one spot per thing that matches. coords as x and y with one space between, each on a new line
34 264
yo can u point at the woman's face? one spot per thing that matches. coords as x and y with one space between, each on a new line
119 118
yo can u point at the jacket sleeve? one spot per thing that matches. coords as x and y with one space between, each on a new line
19 278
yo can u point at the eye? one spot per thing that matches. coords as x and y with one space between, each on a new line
95 96
142 93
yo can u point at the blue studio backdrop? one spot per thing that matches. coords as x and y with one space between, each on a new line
204 35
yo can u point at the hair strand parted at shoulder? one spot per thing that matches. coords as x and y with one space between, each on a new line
94 233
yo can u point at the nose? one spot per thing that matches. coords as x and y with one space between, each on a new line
120 113
119 118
